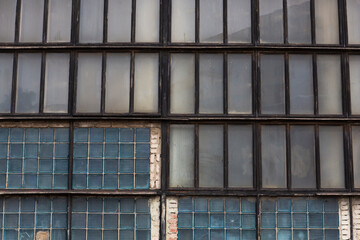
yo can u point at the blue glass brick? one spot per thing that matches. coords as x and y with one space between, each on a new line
185 220
4 135
61 166
45 181
11 221
268 205
43 220
283 220
94 235
111 166
127 150
111 205
110 234
284 234
58 234
201 220
127 205
126 234
216 205
30 181
111 181
95 165
46 150
331 234
31 150
299 220
80 150
11 205
3 150
14 165
142 235
142 205
268 220
142 181
233 220
315 220
32 135
95 205
267 234
96 150
232 234
3 164
316 234
111 151
96 135
143 221
27 220
201 234
59 220
110 221
126 166
331 220
142 166
331 205
217 234
300 235
26 234
248 234
46 135
126 135
126 181
81 134
80 166
60 181
78 234
185 234
217 220
142 150
112 135
79 204
16 134
14 181
284 205
43 205
248 221
232 205
30 165
45 165
61 150
315 205
62 135
142 135
299 205
201 205
78 220
27 205
2 180
59 205
16 150
127 221
185 205
94 221
79 181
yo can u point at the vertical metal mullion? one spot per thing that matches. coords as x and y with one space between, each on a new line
76 55
225 83
317 158
105 22
165 160
351 159
287 84
162 22
345 24
258 84
351 218
160 83
254 83
258 157
132 82
196 178
42 82
288 156
258 218
167 22
14 83
71 147
133 21
255 19
285 23
315 86
72 78
17 20
76 21
197 83
103 83
312 19
345 80
45 20
348 158
341 10
225 24
197 21
226 156
69 210
255 156
164 92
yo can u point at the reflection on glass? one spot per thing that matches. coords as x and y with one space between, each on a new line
183 21
353 20
28 83
56 83
7 20
301 84
59 24
147 20
146 82
211 157
354 65
329 84
240 156
117 96
182 156
271 21
91 21
239 21
272 84
326 21
303 171
356 155
239 84
211 83
332 157
211 21
89 83
31 23
182 96
6 74
119 20
299 23
273 152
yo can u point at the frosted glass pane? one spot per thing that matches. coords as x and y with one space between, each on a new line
326 21
146 82
183 21
271 21
147 20
353 20
211 21
6 74
182 96
239 83
332 157
329 84
59 25
273 152
240 156
299 24
354 65
239 21
211 157
119 20
272 84
211 83
31 23
28 83
91 21
356 154
56 83
89 83
7 20
117 95
301 84
303 170
182 156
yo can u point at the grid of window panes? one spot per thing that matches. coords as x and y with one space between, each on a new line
216 218
110 218
299 218
111 158
34 158
33 217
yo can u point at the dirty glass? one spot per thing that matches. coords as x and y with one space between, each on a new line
6 74
59 25
183 21
239 21
31 23
119 20
299 21
147 20
211 21
91 21
7 20
271 21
